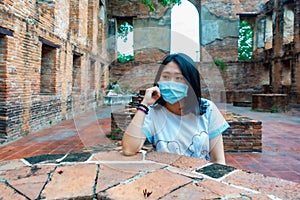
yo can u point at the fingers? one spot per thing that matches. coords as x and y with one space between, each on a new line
151 96
155 93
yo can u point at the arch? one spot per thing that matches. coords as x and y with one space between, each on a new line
185 34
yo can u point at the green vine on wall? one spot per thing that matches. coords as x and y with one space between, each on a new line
218 62
164 3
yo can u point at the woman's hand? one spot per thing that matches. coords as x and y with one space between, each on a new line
151 96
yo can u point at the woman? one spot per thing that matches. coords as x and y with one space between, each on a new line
174 117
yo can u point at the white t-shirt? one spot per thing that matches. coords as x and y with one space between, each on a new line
184 135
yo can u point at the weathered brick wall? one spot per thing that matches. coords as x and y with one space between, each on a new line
242 79
244 134
219 39
78 27
38 41
140 73
227 50
270 102
132 8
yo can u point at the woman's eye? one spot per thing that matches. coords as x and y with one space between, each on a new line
166 77
179 78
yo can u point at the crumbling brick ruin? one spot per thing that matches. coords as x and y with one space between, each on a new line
57 57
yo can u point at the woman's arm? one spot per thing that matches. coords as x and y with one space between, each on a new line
133 138
217 150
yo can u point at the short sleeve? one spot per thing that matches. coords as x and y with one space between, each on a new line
216 121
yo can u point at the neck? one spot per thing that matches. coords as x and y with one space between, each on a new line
175 108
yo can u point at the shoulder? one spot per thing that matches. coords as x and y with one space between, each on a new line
205 105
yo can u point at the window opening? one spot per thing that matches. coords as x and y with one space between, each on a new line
245 41
185 36
269 33
288 30
2 53
125 42
101 30
48 70
76 73
91 75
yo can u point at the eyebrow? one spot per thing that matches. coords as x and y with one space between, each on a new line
166 72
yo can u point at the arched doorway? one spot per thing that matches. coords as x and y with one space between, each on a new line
185 30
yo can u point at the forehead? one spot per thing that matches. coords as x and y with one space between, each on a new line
172 67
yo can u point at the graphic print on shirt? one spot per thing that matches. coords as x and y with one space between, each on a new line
171 146
199 146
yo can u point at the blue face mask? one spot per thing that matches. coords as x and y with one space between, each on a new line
171 91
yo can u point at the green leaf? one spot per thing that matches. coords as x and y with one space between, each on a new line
245 41
164 3
123 30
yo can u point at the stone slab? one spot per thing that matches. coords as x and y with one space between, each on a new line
28 180
9 193
158 183
71 181
283 189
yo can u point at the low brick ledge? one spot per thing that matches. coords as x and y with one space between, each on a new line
152 175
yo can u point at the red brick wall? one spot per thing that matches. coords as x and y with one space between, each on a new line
237 75
79 27
39 54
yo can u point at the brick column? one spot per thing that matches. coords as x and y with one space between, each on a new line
276 69
297 48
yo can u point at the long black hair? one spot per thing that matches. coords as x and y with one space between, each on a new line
189 70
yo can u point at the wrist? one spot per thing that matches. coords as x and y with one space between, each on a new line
144 106
142 109
144 103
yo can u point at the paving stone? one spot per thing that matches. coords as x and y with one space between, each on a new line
77 157
268 185
8 193
43 158
71 181
220 189
116 156
184 172
10 165
191 192
215 170
189 163
258 196
162 157
28 180
160 183
104 146
109 177
134 167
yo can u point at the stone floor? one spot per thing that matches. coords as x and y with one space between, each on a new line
74 159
